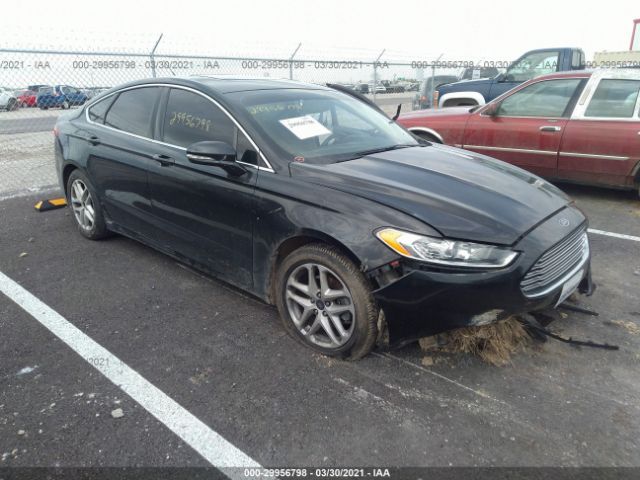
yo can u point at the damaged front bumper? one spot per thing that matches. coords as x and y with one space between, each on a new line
424 301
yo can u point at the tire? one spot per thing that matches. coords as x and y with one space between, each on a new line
356 311
81 206
12 105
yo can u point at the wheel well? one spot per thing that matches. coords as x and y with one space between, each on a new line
65 175
460 102
426 136
291 244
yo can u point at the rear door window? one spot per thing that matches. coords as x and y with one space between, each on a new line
191 118
132 111
548 98
98 111
614 98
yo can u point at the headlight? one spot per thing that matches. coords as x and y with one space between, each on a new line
445 252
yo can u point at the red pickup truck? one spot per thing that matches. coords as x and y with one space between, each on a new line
575 126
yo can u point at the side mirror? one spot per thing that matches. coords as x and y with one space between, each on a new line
492 109
215 154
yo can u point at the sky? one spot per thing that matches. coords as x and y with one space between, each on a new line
407 31
410 29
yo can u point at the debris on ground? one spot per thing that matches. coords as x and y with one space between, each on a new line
631 327
26 370
493 343
427 361
117 413
23 254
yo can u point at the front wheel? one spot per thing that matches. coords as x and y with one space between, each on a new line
325 302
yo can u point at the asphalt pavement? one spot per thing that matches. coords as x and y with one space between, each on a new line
28 120
224 358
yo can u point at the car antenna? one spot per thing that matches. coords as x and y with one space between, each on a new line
395 117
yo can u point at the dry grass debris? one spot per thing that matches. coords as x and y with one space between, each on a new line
631 327
494 343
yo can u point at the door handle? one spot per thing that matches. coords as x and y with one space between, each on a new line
93 140
550 128
164 160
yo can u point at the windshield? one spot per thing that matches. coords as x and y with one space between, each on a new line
319 126
533 65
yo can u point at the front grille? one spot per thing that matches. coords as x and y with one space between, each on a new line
551 268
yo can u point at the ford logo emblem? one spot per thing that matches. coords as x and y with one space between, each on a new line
564 222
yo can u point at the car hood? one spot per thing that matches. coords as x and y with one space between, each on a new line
461 194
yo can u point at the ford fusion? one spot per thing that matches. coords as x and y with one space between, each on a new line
313 200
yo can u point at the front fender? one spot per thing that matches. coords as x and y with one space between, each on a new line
286 208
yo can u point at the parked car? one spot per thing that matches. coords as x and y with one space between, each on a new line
573 126
93 92
312 200
427 87
362 88
36 87
378 88
391 87
8 100
26 98
530 65
63 96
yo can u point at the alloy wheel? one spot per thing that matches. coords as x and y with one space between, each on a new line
320 305
82 205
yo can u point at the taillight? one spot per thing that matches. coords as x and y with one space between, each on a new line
436 96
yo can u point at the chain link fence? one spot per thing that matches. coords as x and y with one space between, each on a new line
36 86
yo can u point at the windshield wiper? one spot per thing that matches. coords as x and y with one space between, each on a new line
380 150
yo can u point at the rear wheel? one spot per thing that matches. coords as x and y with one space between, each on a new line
12 104
326 302
87 213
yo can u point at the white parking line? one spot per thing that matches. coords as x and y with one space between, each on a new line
211 445
615 235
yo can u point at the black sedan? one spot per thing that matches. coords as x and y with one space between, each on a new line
313 200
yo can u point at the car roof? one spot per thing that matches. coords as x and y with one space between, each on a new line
568 73
615 73
229 84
